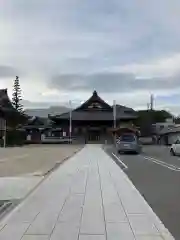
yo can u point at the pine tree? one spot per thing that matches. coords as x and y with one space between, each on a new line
16 96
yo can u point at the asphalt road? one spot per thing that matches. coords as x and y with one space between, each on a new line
156 175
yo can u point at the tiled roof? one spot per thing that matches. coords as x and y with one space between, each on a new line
95 116
5 102
100 112
38 121
8 110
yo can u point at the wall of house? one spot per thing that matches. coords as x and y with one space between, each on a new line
172 137
158 127
169 138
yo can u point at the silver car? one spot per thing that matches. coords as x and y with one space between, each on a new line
128 143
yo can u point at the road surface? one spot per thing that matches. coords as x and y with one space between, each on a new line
156 175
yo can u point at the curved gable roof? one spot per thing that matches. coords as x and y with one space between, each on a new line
88 112
94 99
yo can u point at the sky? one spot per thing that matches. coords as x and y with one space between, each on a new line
65 49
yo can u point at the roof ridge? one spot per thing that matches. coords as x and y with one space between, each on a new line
5 101
94 95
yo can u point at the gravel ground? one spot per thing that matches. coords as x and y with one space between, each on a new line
33 159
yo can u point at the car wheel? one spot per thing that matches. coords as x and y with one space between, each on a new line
172 152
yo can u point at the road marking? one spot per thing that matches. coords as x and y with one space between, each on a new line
119 160
171 165
167 165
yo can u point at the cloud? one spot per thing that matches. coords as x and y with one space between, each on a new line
6 71
164 67
113 82
67 48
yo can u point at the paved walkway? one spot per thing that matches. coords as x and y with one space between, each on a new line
17 187
88 198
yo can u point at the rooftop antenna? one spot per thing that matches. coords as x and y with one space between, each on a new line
152 102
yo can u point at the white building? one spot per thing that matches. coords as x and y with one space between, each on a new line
169 136
157 128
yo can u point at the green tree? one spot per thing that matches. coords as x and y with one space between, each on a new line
153 116
148 117
16 96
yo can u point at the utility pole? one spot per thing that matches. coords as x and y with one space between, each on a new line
5 130
70 122
114 113
114 120
152 115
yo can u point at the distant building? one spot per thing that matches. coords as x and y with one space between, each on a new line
169 136
157 128
93 120
9 116
35 128
9 120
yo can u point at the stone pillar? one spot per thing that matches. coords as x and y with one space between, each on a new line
28 138
42 137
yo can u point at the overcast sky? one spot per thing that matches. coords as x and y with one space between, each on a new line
64 49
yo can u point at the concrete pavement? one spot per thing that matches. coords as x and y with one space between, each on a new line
157 182
87 198
22 168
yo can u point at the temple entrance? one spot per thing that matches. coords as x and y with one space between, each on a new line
93 136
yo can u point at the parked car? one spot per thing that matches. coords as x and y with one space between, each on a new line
128 143
175 148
